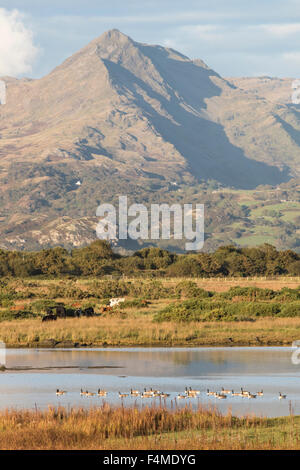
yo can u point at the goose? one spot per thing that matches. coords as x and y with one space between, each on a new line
89 394
148 392
123 395
251 395
134 393
82 392
220 396
101 393
209 393
164 395
260 394
146 395
180 396
152 392
235 394
281 397
225 391
244 392
60 392
194 391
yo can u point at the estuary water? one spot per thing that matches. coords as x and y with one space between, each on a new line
33 375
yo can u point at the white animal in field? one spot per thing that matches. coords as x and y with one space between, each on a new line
116 301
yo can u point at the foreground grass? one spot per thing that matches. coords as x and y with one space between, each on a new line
143 331
147 428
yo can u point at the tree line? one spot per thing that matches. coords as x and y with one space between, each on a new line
98 259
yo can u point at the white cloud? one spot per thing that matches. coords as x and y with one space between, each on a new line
17 50
160 17
282 29
292 56
208 32
240 49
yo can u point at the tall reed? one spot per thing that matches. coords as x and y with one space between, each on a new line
153 427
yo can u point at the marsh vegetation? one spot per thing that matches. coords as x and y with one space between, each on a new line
148 428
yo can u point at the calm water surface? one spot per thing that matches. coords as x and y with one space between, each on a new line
34 376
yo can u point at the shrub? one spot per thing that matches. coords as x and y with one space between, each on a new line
287 294
135 303
190 289
248 293
201 310
40 306
290 310
8 315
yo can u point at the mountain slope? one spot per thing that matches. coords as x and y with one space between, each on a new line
278 90
124 117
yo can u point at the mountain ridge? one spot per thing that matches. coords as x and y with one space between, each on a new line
122 115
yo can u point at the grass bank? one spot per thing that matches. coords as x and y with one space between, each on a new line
144 332
147 428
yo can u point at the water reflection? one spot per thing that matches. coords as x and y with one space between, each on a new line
168 369
159 361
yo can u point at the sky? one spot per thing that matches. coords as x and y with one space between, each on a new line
234 37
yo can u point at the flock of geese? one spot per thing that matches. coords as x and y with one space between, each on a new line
188 393
243 393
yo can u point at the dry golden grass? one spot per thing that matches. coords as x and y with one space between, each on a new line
147 428
219 284
141 330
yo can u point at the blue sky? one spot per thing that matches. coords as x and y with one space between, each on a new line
236 38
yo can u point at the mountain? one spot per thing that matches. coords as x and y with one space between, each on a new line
120 117
277 90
